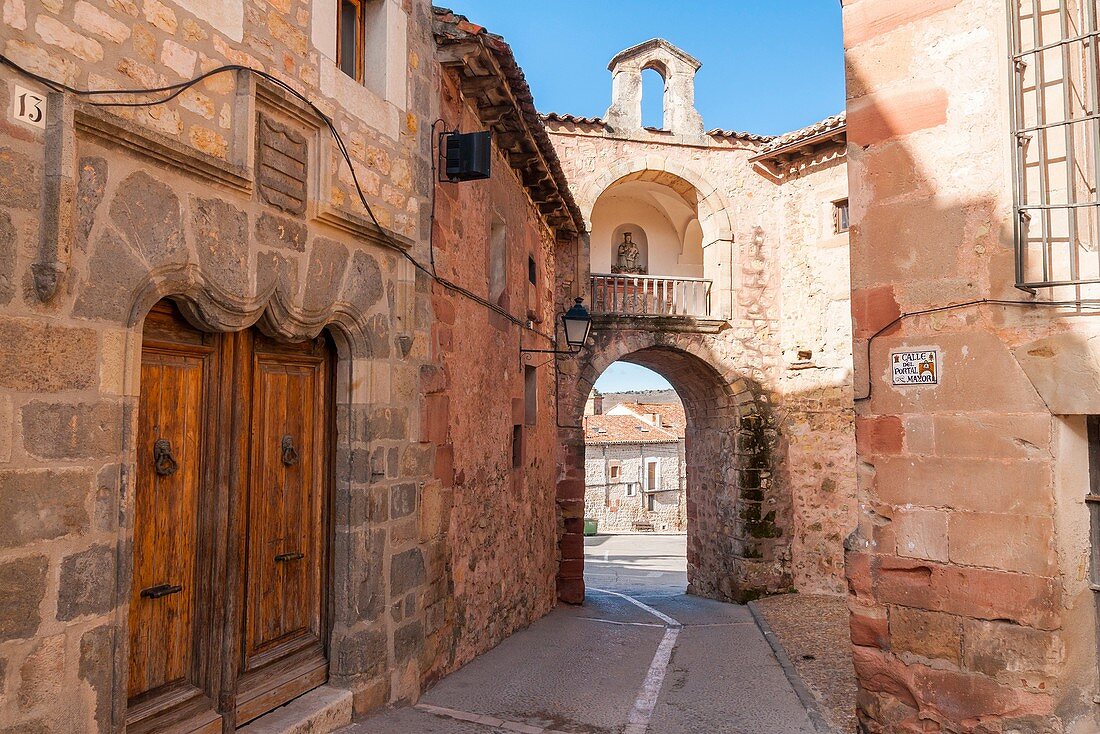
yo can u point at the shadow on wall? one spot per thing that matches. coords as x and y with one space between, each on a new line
940 601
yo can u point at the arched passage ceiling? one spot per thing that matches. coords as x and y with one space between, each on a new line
673 205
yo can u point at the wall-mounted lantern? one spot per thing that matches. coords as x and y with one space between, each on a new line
577 323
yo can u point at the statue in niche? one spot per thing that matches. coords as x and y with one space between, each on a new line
627 259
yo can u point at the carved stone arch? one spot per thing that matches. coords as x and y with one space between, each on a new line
272 312
714 218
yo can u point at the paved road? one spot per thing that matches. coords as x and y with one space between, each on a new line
639 657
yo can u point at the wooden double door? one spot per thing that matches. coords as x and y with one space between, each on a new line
228 605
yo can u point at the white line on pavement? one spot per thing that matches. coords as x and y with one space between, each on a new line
638 721
491 721
656 613
630 624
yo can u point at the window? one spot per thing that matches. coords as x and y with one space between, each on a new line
654 98
532 271
651 502
498 260
350 36
1092 499
614 472
631 489
652 477
530 395
517 447
840 216
1055 137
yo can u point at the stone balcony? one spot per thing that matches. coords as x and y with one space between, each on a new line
653 303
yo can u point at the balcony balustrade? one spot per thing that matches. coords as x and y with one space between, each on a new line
650 295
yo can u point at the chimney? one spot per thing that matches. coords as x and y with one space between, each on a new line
594 404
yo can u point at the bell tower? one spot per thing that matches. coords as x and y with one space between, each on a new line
677 69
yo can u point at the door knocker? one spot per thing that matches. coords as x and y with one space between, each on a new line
163 461
290 456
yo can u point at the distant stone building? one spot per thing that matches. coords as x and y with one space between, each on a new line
720 260
635 467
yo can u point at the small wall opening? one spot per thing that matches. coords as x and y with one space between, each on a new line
498 259
653 99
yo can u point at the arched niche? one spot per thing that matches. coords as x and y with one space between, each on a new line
666 210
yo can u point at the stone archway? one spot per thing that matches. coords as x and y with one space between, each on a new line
714 218
738 512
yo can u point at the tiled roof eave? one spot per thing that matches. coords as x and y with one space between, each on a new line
825 130
549 187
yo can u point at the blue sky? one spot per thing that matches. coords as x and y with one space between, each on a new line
769 66
624 377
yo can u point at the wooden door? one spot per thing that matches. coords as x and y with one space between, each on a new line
227 606
282 650
169 617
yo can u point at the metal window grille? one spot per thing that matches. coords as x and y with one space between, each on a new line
1056 131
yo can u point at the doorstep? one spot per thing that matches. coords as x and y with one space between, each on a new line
319 711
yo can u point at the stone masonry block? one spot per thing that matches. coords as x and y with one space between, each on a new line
1023 543
402 500
72 431
41 505
921 534
406 571
87 583
932 635
22 586
39 357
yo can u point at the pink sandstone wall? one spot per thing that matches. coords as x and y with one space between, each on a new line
968 575
501 520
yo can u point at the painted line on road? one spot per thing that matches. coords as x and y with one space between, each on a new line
638 723
629 624
490 721
642 605
640 715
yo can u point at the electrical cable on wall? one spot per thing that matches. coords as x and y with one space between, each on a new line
1086 305
174 90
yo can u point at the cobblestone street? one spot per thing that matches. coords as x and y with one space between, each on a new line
639 656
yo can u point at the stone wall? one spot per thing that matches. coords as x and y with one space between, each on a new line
968 576
617 511
170 201
779 287
501 518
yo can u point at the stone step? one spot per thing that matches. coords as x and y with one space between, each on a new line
319 711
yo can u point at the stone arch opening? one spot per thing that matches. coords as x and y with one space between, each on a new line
655 96
737 517
667 208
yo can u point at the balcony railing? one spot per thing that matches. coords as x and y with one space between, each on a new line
650 295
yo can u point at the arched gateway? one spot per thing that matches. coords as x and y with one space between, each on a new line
738 511
718 259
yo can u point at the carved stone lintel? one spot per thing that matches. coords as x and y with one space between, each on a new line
58 220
